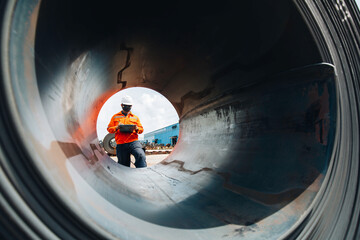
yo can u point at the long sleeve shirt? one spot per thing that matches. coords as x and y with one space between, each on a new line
123 137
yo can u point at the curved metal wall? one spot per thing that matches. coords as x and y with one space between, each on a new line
267 98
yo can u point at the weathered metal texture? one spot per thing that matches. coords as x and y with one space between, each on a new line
258 110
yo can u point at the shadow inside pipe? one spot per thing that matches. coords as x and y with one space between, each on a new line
250 144
280 147
288 145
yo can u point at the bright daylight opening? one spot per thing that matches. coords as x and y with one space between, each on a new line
157 116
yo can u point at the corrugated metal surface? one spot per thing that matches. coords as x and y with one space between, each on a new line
163 135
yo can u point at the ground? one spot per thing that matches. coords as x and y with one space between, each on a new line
150 159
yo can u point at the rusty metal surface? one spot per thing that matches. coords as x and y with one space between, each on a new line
260 114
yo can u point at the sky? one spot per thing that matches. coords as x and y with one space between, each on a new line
153 109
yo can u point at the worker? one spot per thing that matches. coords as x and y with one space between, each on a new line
127 139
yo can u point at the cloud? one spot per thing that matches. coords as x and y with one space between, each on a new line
153 109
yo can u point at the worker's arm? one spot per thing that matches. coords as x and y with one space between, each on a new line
139 128
112 127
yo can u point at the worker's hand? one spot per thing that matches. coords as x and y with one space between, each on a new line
136 128
118 126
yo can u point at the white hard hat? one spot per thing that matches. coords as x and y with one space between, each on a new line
127 100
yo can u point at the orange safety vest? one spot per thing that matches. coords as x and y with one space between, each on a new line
121 137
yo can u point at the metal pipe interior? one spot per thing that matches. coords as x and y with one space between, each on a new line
256 106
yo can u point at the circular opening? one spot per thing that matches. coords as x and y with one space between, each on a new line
156 114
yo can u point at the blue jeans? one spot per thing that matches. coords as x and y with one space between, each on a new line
123 152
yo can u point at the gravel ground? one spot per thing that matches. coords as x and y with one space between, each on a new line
150 159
